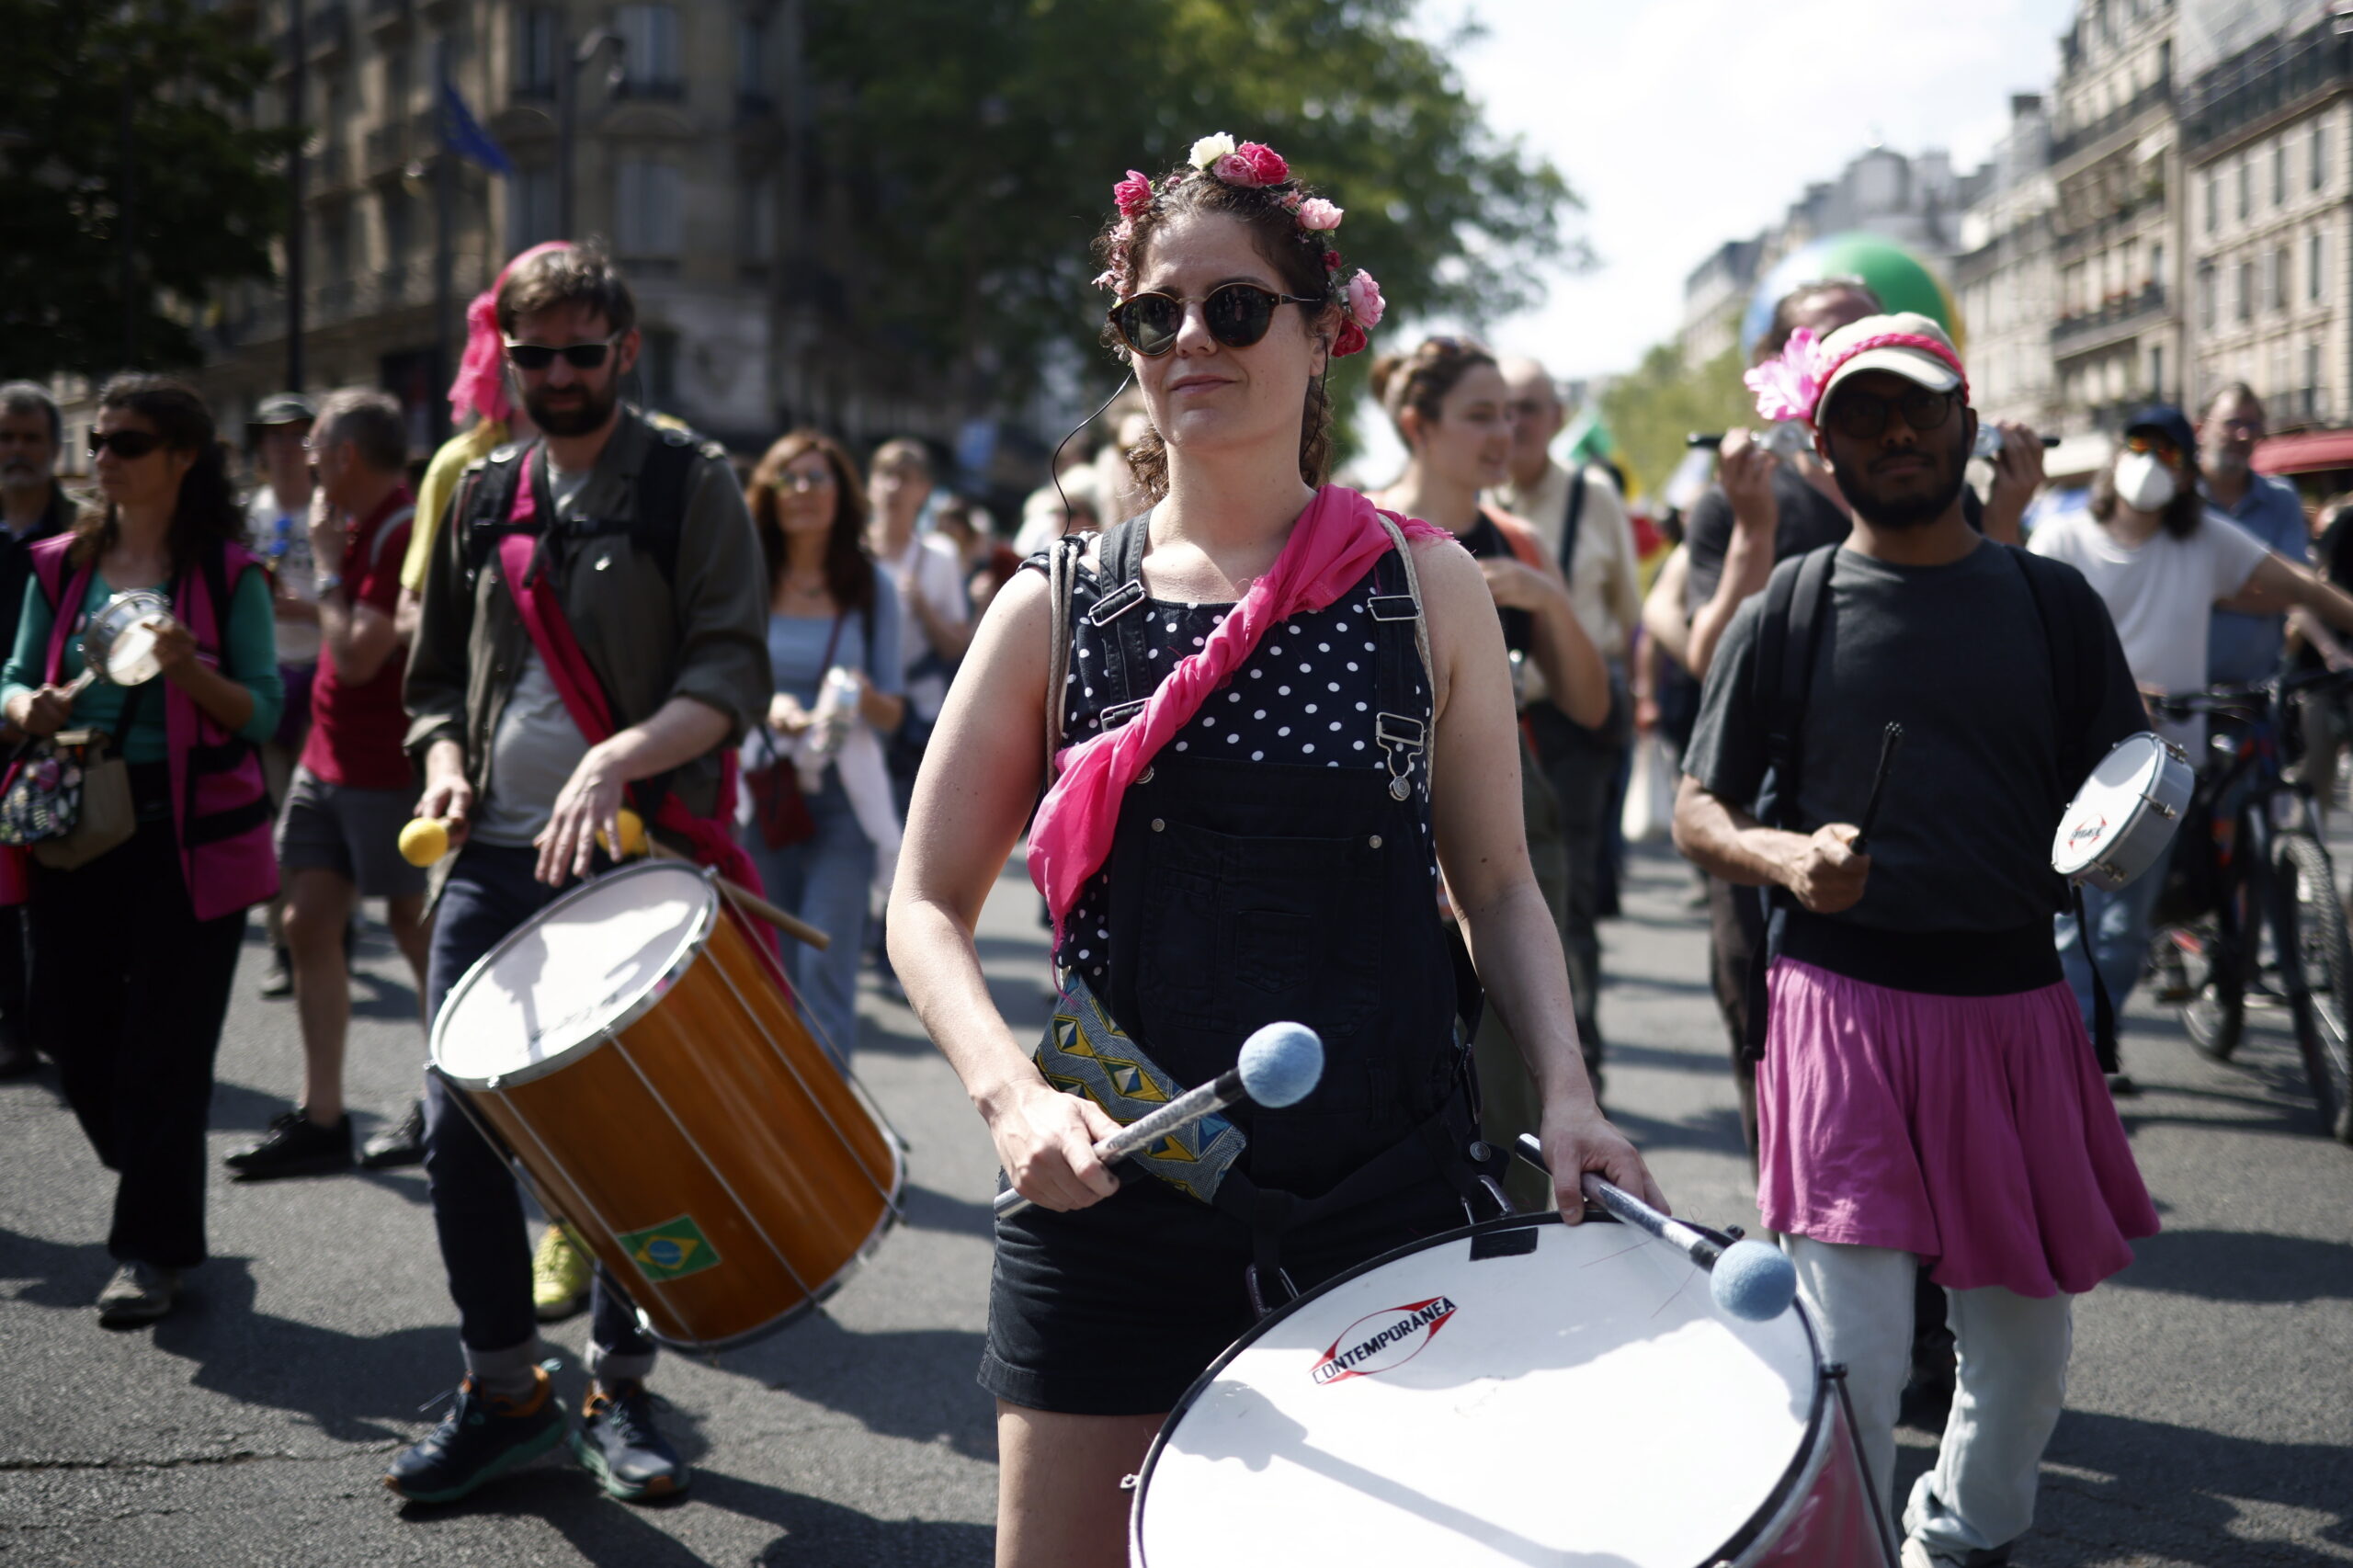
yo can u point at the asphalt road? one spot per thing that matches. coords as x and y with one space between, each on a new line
2210 1421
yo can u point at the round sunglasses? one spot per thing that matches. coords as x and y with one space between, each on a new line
1237 315
1858 416
540 356
127 445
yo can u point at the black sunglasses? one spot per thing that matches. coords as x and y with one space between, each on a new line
1237 315
127 445
1858 416
540 356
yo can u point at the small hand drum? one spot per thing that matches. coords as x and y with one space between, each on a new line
119 643
2122 821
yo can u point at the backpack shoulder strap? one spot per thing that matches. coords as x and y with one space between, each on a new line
484 499
662 484
2071 631
1796 607
1575 517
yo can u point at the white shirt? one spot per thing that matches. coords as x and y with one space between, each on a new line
1605 578
2161 594
283 540
927 566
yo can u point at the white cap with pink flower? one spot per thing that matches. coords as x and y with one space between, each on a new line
1253 165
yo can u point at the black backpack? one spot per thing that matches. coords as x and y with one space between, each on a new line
1789 637
660 497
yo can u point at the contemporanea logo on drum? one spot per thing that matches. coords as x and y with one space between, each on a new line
1382 1341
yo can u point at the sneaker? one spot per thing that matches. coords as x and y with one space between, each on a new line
139 1292
401 1144
617 1444
294 1145
278 980
482 1438
560 1272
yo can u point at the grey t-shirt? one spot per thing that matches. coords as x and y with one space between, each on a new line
1956 655
536 747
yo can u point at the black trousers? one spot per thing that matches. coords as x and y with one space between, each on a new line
132 992
1581 766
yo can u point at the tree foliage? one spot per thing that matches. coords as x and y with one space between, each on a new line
1653 410
974 144
206 197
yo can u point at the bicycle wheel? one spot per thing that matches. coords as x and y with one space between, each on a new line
2215 1017
2319 943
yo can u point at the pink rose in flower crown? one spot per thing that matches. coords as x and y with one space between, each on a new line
1789 387
1364 301
1318 213
1133 194
1252 164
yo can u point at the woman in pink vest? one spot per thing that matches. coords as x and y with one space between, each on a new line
134 949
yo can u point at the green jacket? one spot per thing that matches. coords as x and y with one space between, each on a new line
701 633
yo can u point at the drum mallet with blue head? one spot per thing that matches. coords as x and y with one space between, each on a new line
1281 1066
1749 1278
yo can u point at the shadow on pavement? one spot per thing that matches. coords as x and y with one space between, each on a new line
1716 1128
59 1274
352 1388
2203 1476
914 1383
2241 1265
819 1534
931 1210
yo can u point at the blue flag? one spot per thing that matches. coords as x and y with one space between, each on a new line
461 133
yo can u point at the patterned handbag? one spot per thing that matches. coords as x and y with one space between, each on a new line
43 799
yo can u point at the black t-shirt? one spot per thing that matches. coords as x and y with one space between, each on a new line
1809 520
1956 655
1485 540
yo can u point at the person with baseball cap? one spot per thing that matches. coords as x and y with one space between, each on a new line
2163 559
277 530
1926 1091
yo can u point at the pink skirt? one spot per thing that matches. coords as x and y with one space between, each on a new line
1973 1130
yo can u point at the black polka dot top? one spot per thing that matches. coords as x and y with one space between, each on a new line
1306 696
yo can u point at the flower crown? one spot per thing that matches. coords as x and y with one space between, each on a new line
1251 165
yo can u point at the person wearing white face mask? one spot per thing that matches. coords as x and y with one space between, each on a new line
2162 561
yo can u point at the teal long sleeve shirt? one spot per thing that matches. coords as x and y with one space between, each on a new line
250 660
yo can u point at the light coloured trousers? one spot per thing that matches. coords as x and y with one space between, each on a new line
2012 1383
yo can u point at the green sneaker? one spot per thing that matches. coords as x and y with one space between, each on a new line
482 1438
560 1272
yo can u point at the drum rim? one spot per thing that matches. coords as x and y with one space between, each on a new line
2173 784
1742 1541
689 951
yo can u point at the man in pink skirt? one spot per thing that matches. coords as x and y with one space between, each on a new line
1926 1090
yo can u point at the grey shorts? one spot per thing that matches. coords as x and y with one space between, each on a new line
353 832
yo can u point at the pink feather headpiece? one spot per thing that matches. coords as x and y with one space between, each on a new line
480 384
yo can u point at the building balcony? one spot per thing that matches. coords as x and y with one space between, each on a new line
2066 145
2118 318
2258 82
388 18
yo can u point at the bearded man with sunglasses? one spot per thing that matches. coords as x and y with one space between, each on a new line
633 541
1927 1092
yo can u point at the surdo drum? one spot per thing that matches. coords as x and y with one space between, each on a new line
1518 1392
635 1052
2121 822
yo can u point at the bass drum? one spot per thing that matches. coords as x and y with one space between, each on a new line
1521 1392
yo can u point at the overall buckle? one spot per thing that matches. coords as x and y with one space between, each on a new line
1394 606
1401 738
1113 604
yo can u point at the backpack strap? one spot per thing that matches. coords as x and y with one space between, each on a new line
1575 519
1796 608
2071 635
1062 584
662 484
1122 612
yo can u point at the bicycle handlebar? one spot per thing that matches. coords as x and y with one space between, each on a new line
2229 699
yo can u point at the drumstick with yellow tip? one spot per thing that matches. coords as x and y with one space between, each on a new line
635 840
424 840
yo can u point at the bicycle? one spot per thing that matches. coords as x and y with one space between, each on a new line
2264 864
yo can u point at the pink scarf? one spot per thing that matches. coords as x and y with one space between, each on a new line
1334 543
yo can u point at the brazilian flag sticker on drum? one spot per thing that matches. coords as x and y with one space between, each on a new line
670 1250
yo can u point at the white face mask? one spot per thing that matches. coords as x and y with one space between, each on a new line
2143 483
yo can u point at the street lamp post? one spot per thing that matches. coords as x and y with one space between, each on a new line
575 59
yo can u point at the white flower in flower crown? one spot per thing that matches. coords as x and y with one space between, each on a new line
1209 148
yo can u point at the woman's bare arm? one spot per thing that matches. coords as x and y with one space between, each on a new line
980 776
1483 849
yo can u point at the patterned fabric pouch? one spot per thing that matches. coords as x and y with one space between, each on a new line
43 800
1085 1053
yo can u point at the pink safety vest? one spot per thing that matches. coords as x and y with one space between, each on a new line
220 802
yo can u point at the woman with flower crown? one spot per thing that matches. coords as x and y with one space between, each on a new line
1266 715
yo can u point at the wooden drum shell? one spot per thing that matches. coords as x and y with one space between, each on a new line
713 1106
